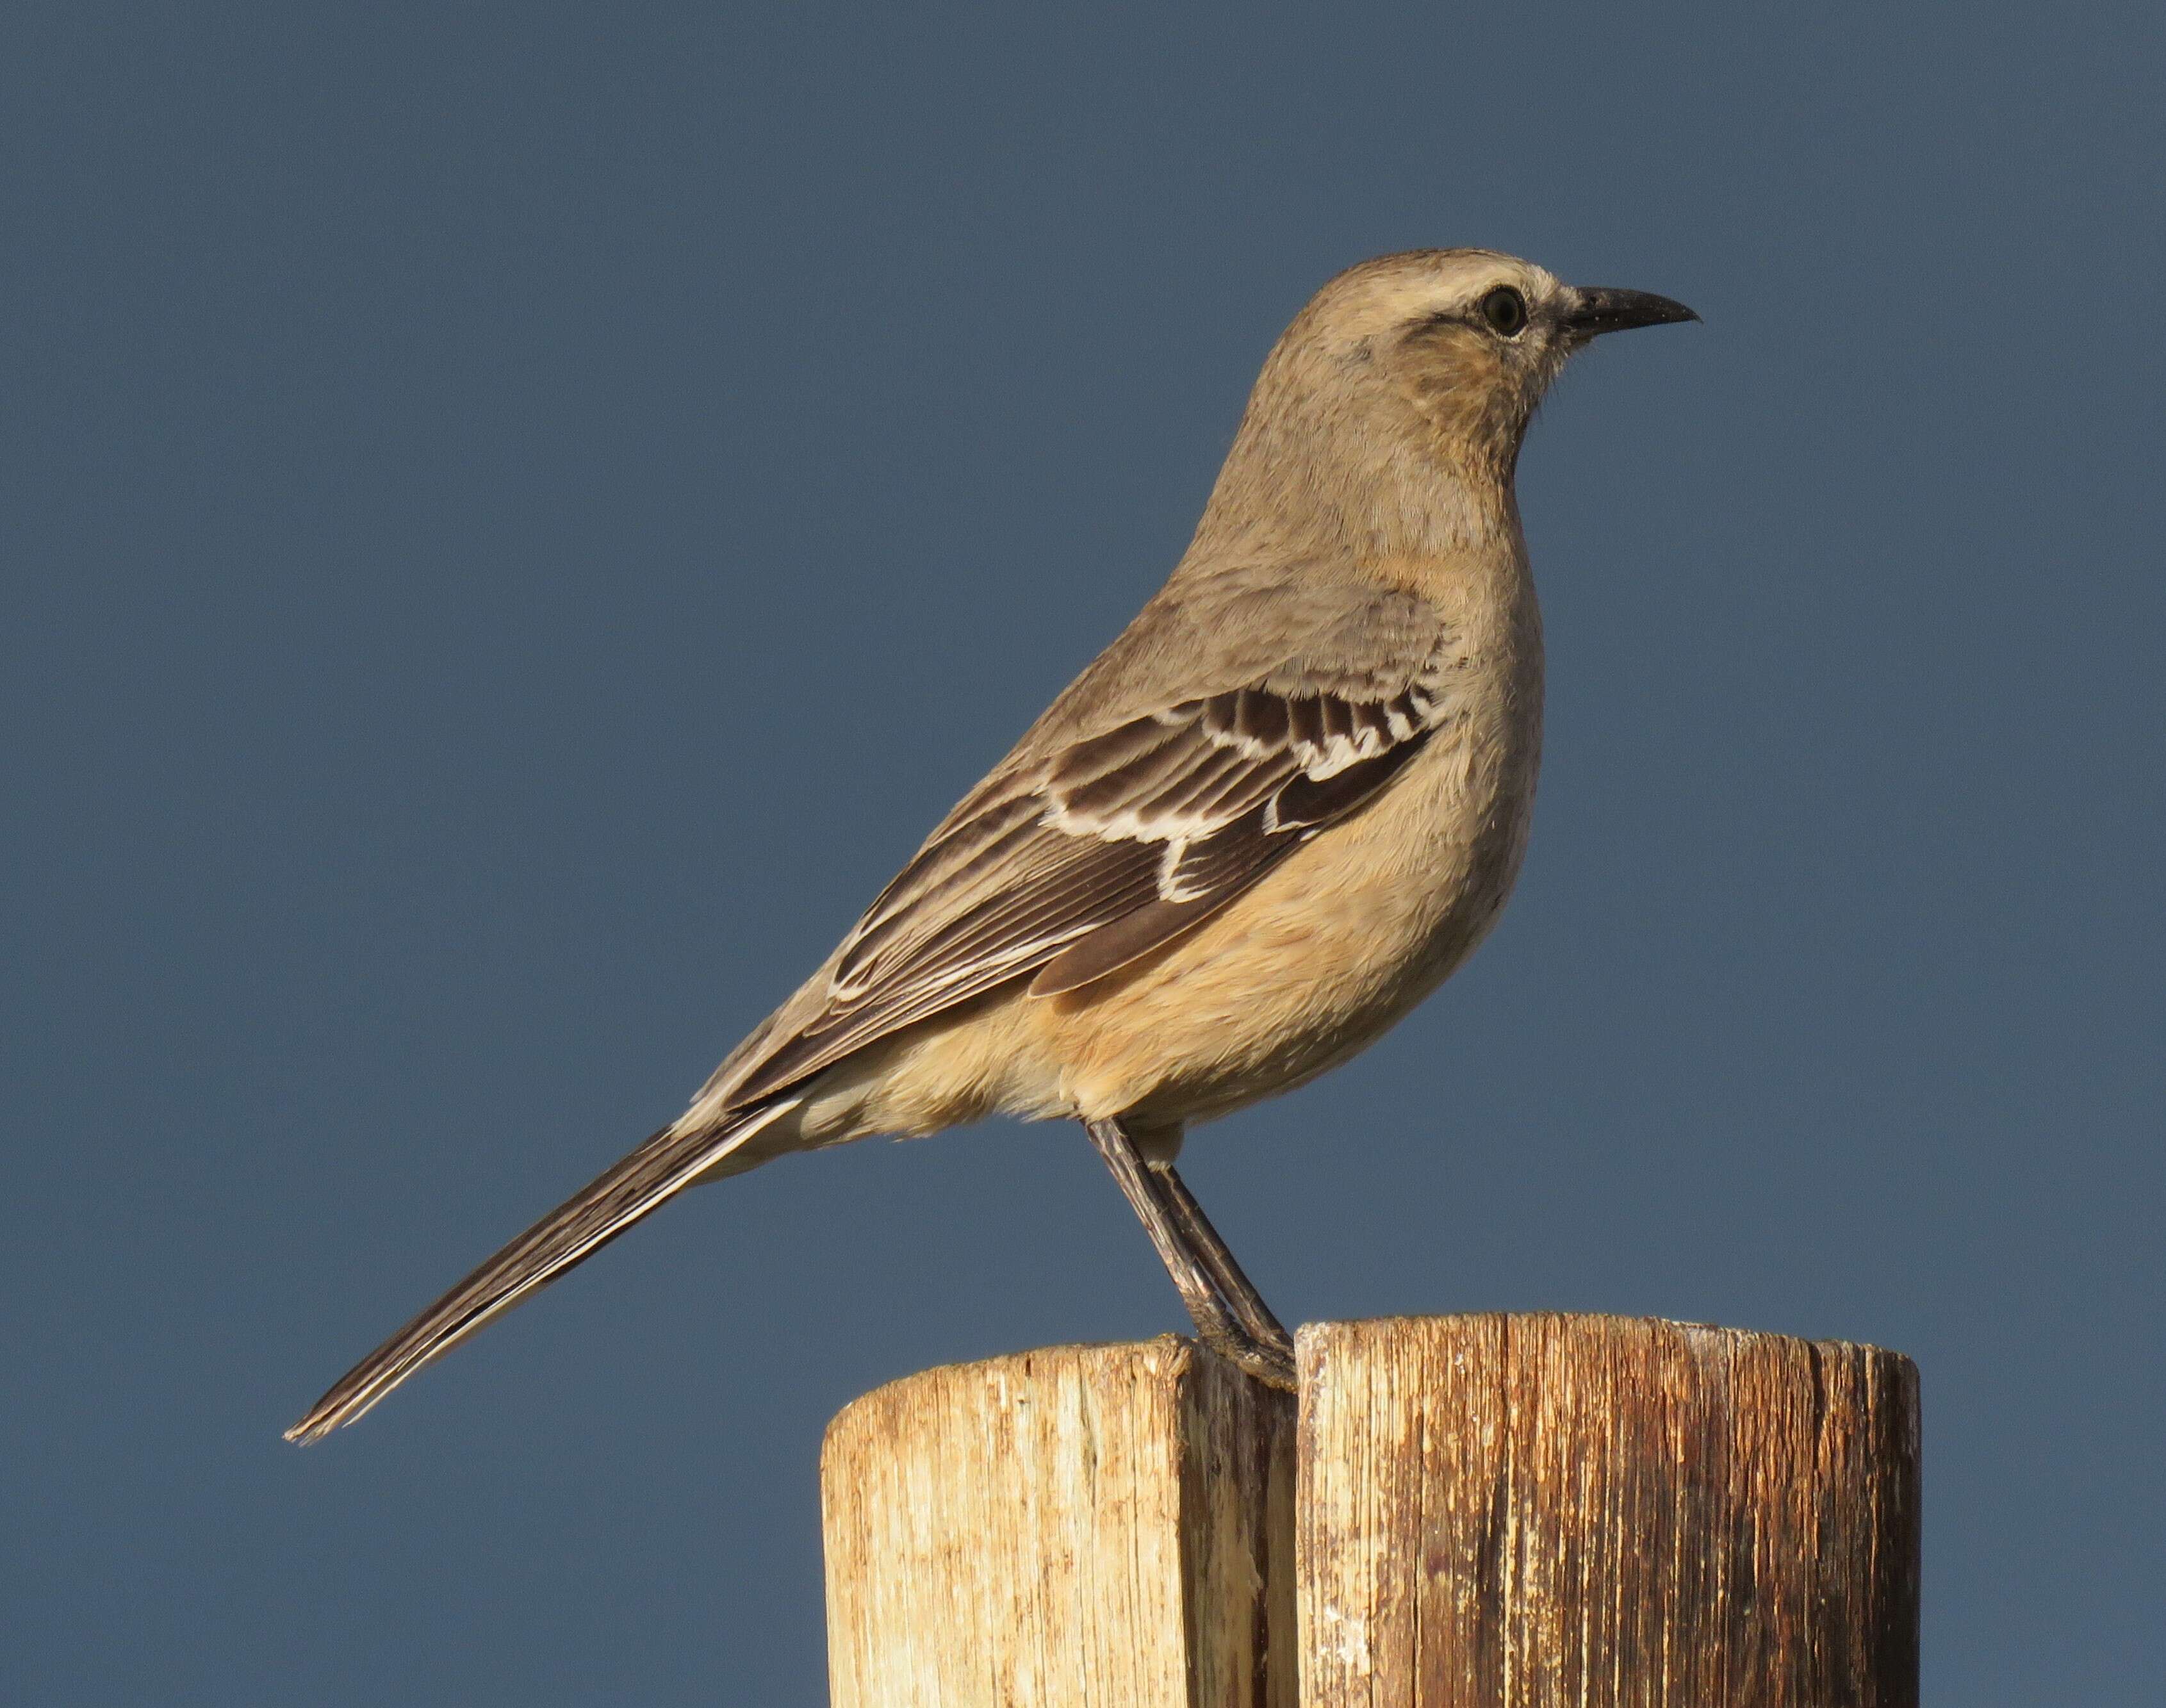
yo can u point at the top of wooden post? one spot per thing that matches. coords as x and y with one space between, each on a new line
1484 1510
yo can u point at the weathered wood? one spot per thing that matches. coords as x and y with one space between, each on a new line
1477 1512
1515 1510
1080 1525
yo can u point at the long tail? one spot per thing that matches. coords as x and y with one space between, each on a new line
655 1172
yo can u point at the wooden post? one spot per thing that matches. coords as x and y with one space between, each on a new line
1504 1511
1110 1525
1516 1511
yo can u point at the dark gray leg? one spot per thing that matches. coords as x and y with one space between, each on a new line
1230 1317
1235 1288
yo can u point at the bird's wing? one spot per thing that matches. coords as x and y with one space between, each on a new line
1087 849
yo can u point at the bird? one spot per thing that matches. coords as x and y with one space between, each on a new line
1281 807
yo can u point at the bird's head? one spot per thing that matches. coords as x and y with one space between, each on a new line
1436 359
1469 338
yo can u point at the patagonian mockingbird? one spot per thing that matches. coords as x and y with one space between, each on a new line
1264 823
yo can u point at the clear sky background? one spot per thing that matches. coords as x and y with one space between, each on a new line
516 519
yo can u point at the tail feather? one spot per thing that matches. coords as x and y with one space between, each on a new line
652 1175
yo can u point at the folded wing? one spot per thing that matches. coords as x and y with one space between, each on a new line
1069 869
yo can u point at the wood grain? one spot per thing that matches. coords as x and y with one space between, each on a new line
1518 1510
1109 1525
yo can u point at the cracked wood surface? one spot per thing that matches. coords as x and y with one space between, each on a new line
1474 1512
1518 1510
1079 1524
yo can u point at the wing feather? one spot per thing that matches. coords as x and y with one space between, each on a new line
1112 844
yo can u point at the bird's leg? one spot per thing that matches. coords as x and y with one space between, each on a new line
1234 1286
1194 1270
1147 1198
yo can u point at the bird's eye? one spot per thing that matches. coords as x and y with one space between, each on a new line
1505 310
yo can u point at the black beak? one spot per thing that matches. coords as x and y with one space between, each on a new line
1601 308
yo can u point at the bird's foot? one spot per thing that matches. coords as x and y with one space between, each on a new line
1268 1362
